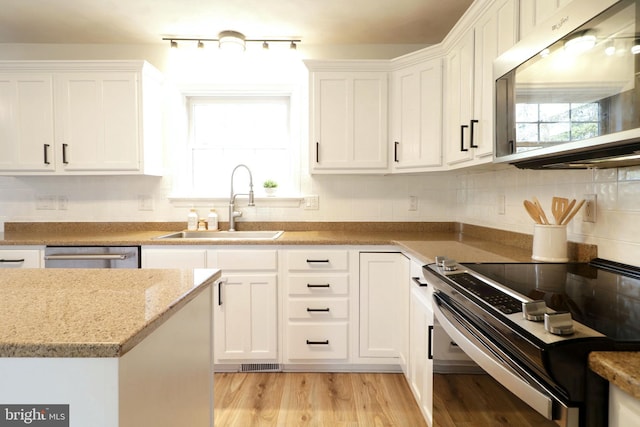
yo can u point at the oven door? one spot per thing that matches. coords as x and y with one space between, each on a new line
501 366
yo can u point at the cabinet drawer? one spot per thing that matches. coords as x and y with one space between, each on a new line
319 309
307 341
15 258
318 260
246 260
319 285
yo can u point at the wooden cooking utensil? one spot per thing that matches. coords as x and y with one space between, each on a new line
558 208
573 212
567 211
533 211
542 214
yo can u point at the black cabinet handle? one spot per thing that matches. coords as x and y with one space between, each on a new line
318 260
395 152
325 285
312 310
430 345
418 282
220 292
64 154
462 128
326 342
471 124
11 260
511 147
317 152
46 154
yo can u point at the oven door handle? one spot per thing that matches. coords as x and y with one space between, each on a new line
468 338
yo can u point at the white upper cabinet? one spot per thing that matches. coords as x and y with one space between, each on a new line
533 12
416 116
348 119
26 122
80 118
470 84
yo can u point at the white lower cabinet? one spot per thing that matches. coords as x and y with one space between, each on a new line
21 258
383 313
420 375
624 409
317 306
245 306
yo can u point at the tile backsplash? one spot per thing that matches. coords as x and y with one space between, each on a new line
491 198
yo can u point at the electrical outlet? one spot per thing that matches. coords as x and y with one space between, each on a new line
63 202
145 203
501 204
413 203
590 208
311 203
46 203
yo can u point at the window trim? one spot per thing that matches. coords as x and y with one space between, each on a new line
183 191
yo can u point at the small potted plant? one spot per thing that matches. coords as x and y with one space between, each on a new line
270 187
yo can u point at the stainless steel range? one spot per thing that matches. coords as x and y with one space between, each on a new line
531 326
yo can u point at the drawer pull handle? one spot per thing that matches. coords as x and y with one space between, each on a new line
325 285
310 310
318 260
326 342
418 282
12 260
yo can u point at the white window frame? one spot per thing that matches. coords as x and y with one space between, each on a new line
182 188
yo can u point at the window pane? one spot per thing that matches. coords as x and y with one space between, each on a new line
251 130
554 112
581 131
554 132
526 132
584 112
526 112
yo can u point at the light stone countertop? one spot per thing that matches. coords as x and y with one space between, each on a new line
621 368
89 312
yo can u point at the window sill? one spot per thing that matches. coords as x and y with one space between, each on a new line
241 200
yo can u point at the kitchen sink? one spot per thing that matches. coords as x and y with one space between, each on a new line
223 235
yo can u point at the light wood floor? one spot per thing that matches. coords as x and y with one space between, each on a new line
479 401
314 399
363 400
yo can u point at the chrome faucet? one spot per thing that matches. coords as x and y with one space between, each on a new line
233 214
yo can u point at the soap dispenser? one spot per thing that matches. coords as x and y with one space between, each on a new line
212 220
192 220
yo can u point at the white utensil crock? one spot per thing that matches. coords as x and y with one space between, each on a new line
550 243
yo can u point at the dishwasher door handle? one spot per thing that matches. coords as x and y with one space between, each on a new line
85 257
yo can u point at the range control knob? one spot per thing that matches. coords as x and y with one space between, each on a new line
534 310
440 260
449 265
559 323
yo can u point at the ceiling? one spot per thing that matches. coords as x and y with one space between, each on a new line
318 22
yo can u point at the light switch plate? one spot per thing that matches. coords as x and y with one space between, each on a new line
311 203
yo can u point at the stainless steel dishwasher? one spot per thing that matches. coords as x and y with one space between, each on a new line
92 257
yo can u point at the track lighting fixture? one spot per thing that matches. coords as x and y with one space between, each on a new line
232 40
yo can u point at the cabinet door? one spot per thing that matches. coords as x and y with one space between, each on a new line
534 12
26 122
460 68
495 33
245 318
174 258
417 117
382 280
349 122
98 121
420 351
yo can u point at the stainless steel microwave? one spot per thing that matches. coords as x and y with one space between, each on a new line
568 96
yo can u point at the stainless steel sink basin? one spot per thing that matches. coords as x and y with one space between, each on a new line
223 235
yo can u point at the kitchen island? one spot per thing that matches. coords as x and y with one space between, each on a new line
119 347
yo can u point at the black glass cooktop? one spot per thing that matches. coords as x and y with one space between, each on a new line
601 295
